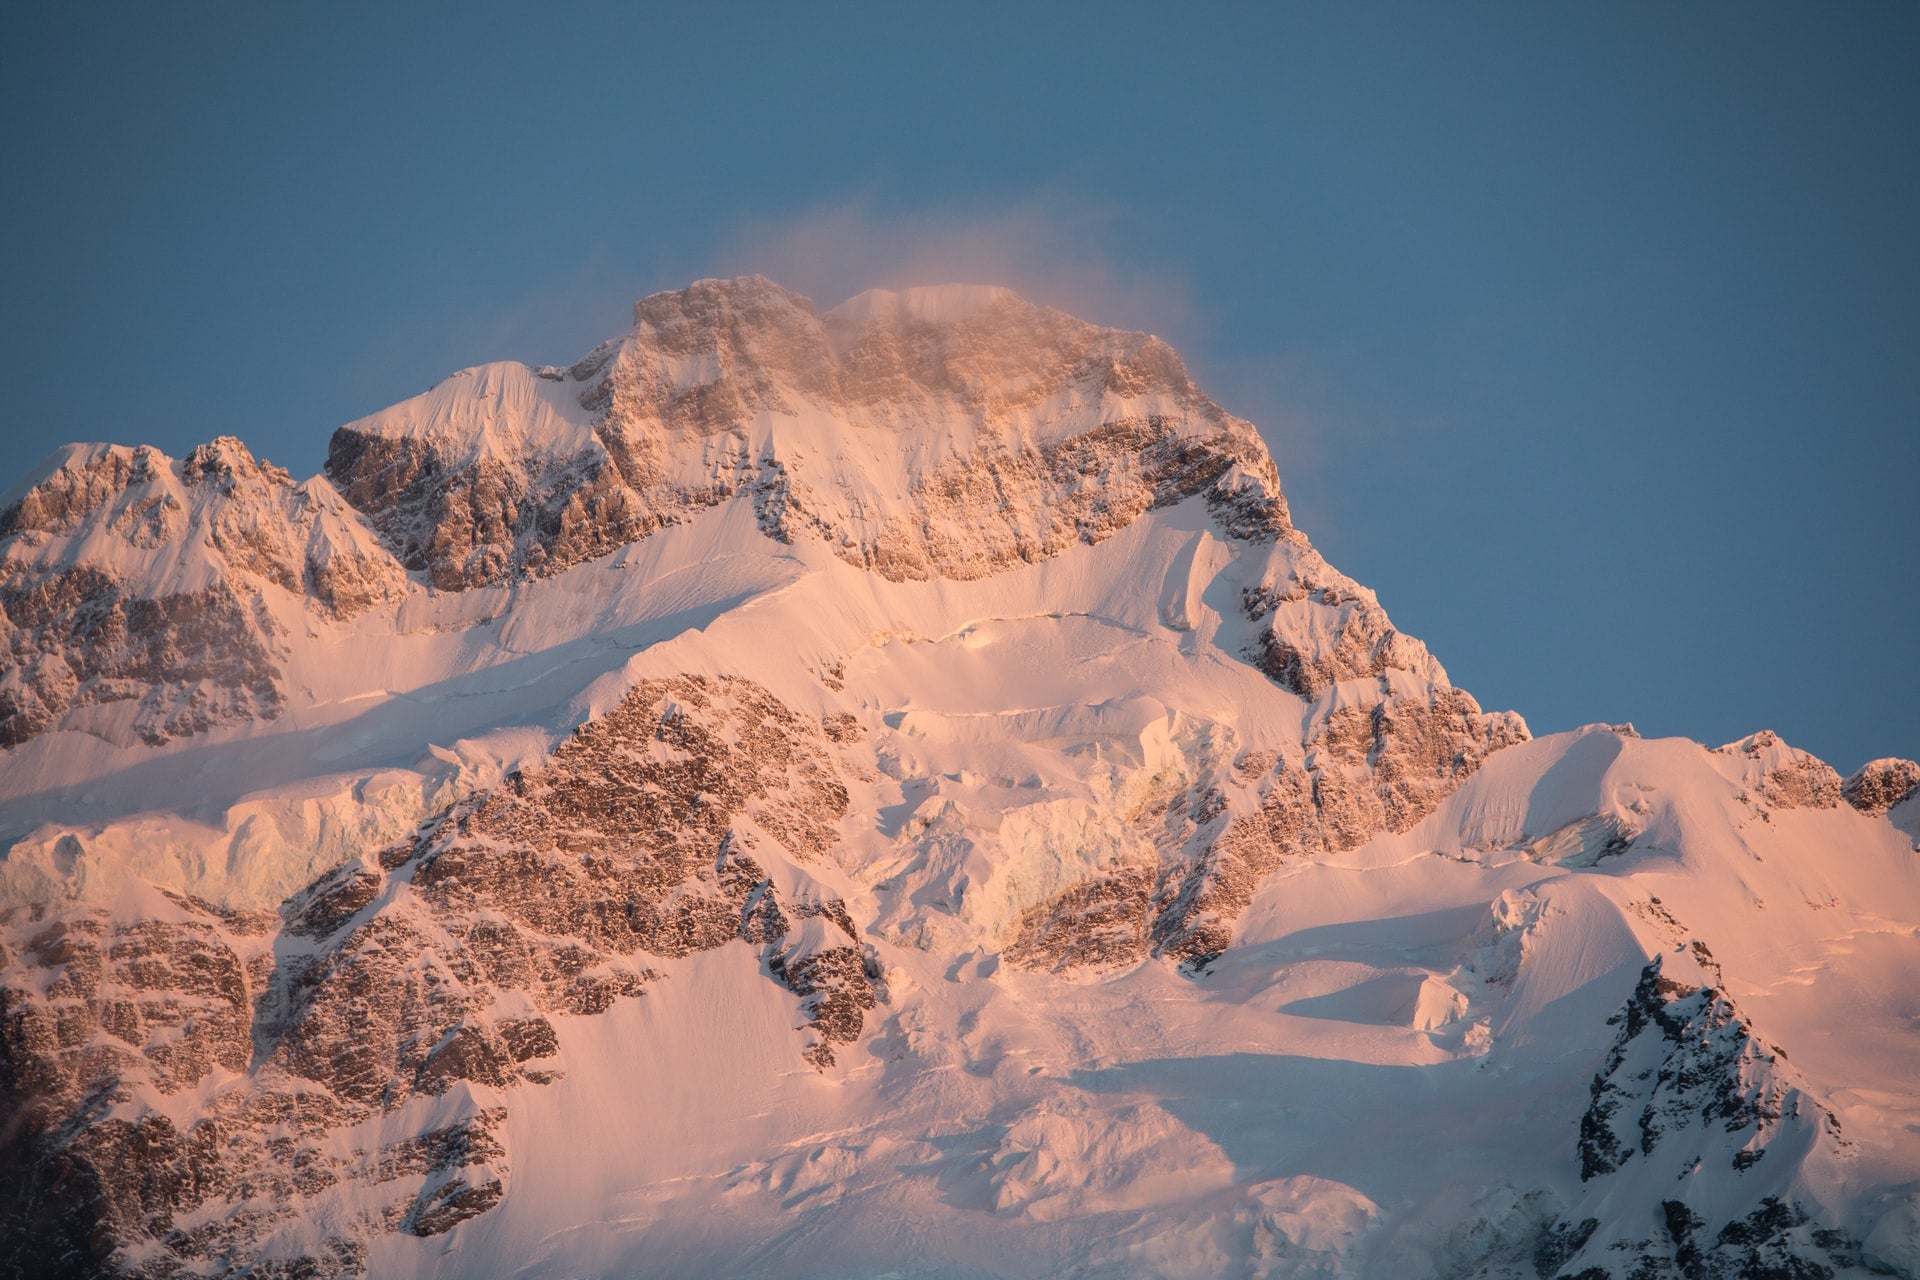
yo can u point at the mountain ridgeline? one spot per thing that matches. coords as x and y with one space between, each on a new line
879 790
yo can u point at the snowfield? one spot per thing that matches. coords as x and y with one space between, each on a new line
881 793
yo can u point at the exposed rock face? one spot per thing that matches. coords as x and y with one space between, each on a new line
394 982
1366 769
1075 431
1319 627
1688 1082
639 837
89 481
1785 777
186 662
470 520
130 581
1709 1072
1879 785
817 782
100 1023
1377 757
1010 505
1100 922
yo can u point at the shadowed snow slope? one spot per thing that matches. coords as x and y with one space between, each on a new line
880 792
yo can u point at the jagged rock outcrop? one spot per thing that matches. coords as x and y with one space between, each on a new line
415 976
1096 923
147 599
1688 1084
1366 769
467 514
1319 627
1376 758
105 1017
1074 431
930 650
1782 776
639 837
1879 785
1684 1059
183 663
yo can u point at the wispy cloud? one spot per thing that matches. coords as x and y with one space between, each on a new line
1052 247
1061 252
1053 250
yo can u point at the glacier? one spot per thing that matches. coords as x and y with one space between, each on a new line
880 792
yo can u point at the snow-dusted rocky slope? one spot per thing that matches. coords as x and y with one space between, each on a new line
882 792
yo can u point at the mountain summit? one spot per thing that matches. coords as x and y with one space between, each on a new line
879 791
932 433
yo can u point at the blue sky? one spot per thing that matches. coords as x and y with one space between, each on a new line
1589 336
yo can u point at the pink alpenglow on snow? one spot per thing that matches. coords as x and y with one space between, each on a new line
880 791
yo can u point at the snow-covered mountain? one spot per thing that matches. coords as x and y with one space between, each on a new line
880 792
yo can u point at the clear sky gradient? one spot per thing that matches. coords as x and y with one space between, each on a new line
1589 336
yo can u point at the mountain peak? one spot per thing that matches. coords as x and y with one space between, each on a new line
931 693
749 293
899 429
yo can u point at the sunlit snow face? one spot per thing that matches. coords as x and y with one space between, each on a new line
786 776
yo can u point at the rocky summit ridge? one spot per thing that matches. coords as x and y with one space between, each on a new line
794 788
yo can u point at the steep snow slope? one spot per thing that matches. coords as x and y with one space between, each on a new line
882 792
1488 1046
